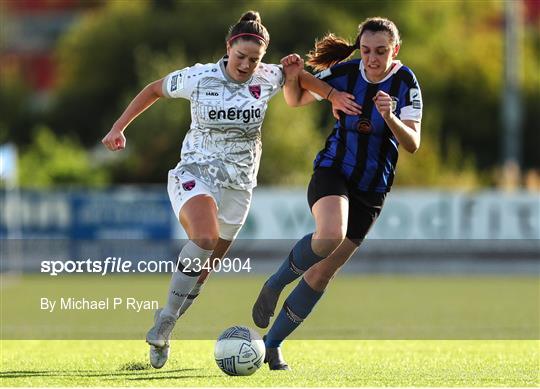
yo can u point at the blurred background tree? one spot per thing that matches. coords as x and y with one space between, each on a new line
57 160
116 48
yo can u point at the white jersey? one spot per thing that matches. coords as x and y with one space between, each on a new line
223 145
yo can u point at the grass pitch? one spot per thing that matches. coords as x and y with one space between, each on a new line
439 331
314 363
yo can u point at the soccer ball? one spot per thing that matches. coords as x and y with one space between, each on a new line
239 351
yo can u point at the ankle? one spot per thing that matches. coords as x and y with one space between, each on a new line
168 312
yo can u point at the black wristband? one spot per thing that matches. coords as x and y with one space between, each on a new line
329 93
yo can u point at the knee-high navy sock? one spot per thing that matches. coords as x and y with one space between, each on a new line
299 260
296 308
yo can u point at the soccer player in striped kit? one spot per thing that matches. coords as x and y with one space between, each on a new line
211 187
352 174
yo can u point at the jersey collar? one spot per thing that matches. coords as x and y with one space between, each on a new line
396 66
222 64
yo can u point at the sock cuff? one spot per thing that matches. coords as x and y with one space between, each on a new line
303 255
192 250
301 300
186 263
307 291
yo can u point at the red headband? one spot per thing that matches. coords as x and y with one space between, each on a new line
247 34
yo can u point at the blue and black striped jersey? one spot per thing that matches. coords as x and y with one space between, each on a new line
363 147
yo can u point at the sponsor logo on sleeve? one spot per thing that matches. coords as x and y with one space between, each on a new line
323 74
177 82
416 98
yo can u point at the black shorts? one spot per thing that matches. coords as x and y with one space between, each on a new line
364 207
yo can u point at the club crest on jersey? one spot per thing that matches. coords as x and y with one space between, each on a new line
188 185
255 91
364 126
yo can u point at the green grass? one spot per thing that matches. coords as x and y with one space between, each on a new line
314 363
353 307
439 331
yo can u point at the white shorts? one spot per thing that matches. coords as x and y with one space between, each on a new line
233 205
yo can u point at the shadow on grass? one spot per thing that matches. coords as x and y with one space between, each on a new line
135 366
167 377
125 374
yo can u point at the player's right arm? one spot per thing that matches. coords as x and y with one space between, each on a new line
115 139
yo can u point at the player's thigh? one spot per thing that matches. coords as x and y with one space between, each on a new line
194 204
364 209
328 200
330 215
198 216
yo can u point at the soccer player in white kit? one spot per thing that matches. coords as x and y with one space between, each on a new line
210 189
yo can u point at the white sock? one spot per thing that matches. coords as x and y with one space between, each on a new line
182 283
189 300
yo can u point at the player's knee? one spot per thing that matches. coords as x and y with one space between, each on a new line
206 241
333 233
328 239
325 247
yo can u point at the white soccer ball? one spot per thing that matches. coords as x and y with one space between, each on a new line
239 351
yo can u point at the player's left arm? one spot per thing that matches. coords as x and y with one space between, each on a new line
406 131
299 83
341 101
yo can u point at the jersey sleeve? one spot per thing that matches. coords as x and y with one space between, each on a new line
179 83
331 77
412 108
276 77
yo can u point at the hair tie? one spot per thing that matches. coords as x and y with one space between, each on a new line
247 34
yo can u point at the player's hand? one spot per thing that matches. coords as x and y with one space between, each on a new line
343 101
384 104
293 64
114 140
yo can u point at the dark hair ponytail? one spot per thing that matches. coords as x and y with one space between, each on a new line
249 27
332 49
